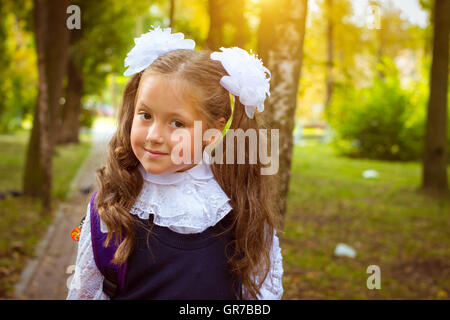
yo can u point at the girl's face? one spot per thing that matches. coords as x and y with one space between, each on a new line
160 109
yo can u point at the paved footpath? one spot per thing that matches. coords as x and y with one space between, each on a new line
47 275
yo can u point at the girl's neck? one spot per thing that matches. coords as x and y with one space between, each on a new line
187 168
196 171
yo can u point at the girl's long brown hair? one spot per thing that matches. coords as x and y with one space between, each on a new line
120 182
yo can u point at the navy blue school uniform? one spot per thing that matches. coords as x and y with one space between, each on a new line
180 266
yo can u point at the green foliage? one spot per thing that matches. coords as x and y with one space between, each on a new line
346 68
87 118
98 49
382 121
18 74
107 29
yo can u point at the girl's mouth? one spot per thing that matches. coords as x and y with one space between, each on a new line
155 154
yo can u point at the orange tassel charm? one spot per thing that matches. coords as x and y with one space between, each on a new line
75 233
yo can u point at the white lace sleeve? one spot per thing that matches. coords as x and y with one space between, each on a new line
87 282
272 288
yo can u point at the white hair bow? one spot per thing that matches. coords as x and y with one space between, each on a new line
151 45
246 79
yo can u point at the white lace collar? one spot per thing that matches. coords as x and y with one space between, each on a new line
185 202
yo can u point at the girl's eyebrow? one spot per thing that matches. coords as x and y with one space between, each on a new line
143 105
171 113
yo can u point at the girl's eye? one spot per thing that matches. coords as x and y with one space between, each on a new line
146 115
180 124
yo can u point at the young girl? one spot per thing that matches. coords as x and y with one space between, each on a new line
191 229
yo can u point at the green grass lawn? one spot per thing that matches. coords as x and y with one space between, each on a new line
21 227
386 220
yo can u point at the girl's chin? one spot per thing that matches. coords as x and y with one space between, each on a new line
155 169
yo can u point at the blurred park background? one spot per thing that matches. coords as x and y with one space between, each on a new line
359 93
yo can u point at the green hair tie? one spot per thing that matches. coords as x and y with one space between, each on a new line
228 124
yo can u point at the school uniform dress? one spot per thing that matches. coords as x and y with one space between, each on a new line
184 255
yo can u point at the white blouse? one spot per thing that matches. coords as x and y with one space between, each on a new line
168 197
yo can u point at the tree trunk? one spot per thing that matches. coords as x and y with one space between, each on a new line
329 75
215 33
280 45
435 164
51 44
34 170
70 127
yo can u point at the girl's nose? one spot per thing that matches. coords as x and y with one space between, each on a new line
154 134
